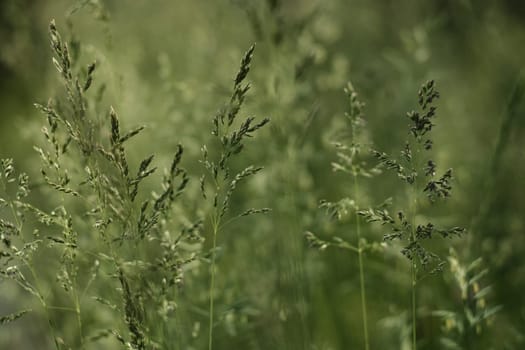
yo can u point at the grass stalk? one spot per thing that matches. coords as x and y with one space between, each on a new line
212 282
79 318
413 268
361 270
40 297
414 327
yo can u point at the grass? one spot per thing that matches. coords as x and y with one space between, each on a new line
137 224
352 162
418 172
232 143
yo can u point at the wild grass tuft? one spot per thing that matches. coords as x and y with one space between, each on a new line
418 171
231 137
140 243
352 161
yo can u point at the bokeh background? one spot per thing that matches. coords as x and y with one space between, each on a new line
169 65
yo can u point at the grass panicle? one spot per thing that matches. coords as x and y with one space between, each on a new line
231 137
352 160
418 171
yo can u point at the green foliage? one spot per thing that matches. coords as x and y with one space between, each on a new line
127 198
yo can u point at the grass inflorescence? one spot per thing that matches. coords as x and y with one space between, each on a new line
416 169
352 159
231 137
138 221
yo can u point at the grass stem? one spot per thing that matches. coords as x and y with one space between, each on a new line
414 328
413 238
361 270
212 282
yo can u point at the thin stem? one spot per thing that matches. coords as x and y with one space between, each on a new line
361 270
39 295
212 282
413 238
77 311
413 273
74 294
414 282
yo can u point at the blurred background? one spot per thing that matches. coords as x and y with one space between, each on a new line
169 65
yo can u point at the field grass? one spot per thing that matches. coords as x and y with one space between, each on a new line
280 174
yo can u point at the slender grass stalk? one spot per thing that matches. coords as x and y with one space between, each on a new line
77 311
413 238
413 275
351 162
43 303
212 282
231 141
413 269
361 270
40 297
414 305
